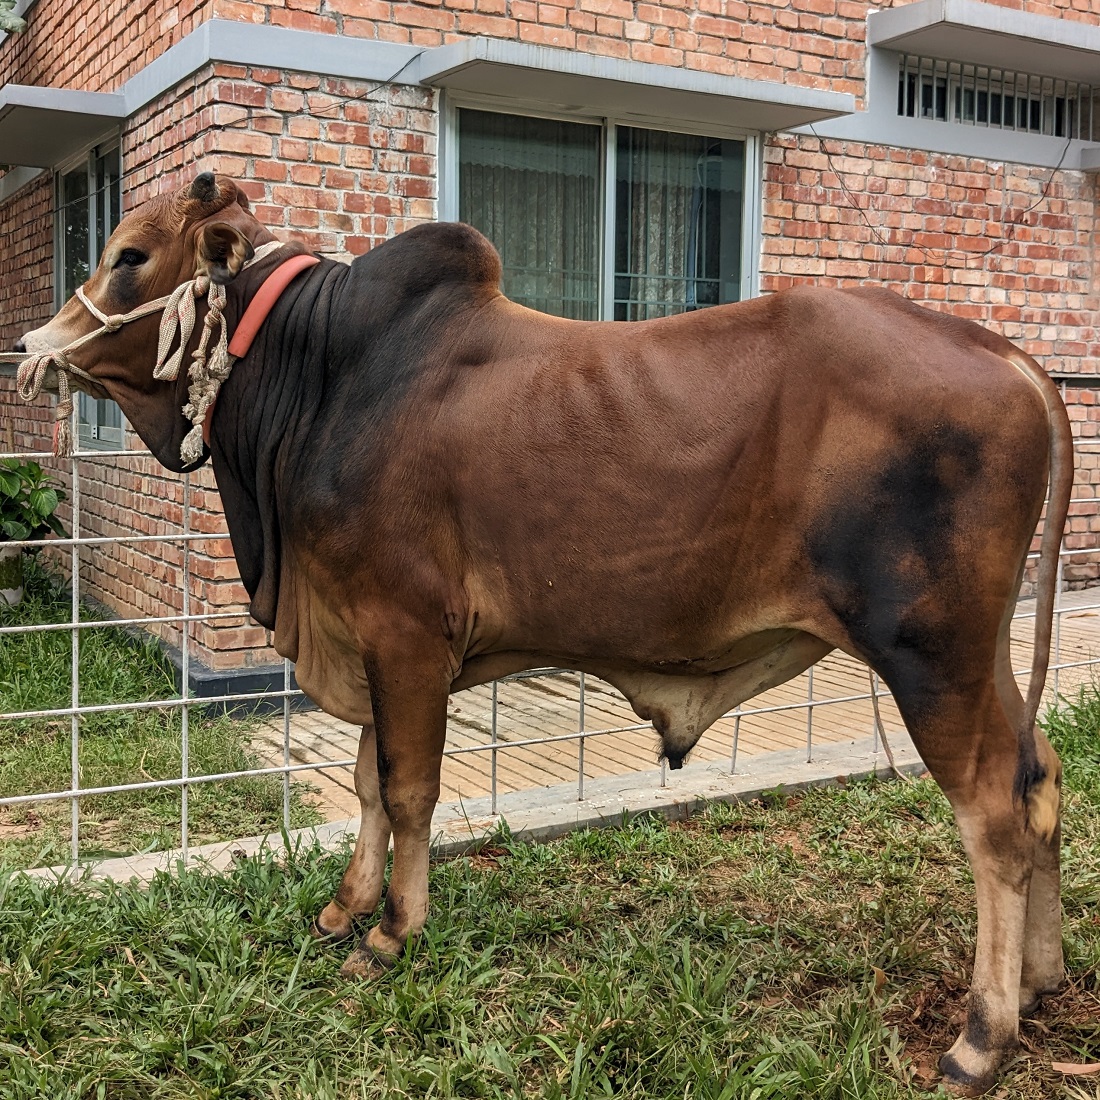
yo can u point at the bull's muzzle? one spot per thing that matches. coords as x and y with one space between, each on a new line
32 343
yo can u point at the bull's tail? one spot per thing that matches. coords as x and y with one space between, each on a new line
1031 772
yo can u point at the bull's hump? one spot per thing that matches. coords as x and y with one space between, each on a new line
432 255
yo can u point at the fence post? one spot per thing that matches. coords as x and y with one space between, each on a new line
185 674
75 684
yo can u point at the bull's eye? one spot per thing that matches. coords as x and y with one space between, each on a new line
131 257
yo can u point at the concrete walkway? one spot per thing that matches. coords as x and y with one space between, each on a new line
543 813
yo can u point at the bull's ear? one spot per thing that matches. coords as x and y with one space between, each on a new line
223 251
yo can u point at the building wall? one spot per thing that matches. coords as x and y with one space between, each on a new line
816 43
1008 246
344 165
26 265
338 164
95 46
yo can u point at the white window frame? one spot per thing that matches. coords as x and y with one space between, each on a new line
751 214
92 433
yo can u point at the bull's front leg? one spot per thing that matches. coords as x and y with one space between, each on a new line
361 886
409 690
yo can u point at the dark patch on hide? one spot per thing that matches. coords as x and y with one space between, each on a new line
886 566
393 916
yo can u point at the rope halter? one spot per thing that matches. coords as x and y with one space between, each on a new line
210 362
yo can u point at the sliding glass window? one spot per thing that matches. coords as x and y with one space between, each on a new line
532 186
89 206
549 193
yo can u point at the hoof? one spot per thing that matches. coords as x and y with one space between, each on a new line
319 932
1029 1006
332 924
365 962
958 1082
383 946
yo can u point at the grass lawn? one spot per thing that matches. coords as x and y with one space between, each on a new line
816 946
126 747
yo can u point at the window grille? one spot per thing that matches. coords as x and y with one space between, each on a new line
976 95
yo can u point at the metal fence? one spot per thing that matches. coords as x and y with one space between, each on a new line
493 748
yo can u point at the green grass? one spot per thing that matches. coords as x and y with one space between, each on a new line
125 747
815 946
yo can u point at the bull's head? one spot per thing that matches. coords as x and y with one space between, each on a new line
203 229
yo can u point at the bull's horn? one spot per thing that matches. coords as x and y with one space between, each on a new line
205 187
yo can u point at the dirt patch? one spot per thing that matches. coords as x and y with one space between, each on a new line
16 830
927 1020
931 1015
487 858
723 884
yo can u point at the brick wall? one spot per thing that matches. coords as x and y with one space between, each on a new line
816 43
1008 246
26 260
1083 528
812 43
95 46
337 164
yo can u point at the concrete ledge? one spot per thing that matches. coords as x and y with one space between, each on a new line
548 812
595 85
990 35
41 126
11 182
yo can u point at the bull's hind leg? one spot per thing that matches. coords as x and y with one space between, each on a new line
1043 966
409 698
361 886
970 746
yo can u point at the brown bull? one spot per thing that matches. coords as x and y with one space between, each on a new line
429 486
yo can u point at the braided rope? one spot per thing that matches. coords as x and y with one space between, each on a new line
210 365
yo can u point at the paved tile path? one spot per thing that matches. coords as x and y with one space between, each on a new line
549 707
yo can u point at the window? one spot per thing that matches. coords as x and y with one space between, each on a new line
599 220
89 204
951 91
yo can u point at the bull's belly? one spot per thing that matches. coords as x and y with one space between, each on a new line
682 686
682 698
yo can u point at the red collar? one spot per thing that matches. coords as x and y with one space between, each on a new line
263 301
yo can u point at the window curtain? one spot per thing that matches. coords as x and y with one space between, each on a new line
677 222
531 185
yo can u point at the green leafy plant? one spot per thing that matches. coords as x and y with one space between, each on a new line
29 497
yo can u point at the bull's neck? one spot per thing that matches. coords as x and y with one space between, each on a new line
270 396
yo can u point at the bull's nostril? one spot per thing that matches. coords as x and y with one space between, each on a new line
20 346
